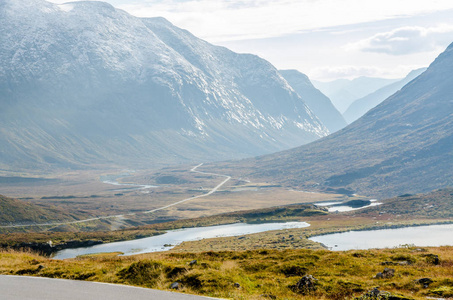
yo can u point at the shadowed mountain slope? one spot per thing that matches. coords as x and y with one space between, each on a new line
404 145
359 107
319 103
343 92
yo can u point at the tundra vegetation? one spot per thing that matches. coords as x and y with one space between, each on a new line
410 272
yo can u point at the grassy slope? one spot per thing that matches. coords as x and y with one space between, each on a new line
21 212
266 273
261 274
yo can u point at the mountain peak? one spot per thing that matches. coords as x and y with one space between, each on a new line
103 86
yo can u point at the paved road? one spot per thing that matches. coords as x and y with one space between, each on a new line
38 288
122 216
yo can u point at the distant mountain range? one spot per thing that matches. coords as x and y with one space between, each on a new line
84 84
360 106
343 92
404 145
319 103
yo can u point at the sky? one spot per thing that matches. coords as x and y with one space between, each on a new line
325 39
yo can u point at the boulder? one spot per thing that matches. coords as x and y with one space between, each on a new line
193 262
425 282
376 294
175 286
305 285
387 273
432 259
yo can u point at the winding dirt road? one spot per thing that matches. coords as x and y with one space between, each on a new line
194 169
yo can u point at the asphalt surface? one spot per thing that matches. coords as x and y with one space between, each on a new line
38 288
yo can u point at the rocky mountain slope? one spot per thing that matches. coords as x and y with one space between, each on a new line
319 103
84 84
404 145
360 106
343 92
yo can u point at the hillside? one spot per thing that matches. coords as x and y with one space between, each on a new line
84 84
360 106
343 92
319 103
21 212
404 145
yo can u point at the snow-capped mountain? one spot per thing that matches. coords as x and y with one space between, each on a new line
319 103
84 83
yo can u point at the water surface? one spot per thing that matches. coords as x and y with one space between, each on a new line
174 237
432 235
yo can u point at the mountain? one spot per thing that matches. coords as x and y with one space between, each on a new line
359 107
84 84
21 212
404 145
342 92
319 103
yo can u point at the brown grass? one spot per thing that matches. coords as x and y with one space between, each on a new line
261 274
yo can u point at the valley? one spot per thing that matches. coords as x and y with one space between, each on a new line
134 152
230 267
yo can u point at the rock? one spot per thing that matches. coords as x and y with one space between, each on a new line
425 282
376 294
270 296
400 263
432 259
175 286
236 285
306 285
388 273
193 262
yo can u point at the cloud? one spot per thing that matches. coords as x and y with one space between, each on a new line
227 20
406 40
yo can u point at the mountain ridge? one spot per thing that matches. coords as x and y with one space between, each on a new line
404 145
319 103
89 85
360 106
342 92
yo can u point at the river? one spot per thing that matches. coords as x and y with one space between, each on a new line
423 236
172 238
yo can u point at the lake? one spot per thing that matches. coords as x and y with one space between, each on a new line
338 206
172 238
432 235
